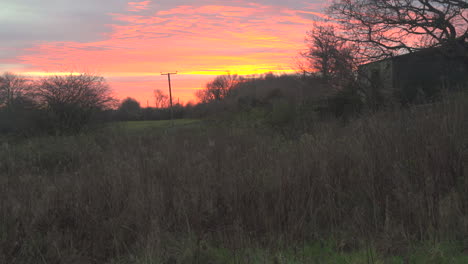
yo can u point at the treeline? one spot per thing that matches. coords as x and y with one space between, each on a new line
70 104
131 110
292 99
55 104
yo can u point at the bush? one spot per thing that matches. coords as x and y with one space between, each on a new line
386 179
72 101
129 110
347 102
20 117
281 113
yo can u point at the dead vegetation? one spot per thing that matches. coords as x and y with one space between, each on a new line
384 179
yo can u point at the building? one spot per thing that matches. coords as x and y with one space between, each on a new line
424 72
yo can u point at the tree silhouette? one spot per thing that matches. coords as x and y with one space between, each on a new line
161 100
129 109
328 54
72 100
13 88
218 88
384 28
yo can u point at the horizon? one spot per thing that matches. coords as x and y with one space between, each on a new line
131 43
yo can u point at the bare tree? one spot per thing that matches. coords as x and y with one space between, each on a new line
72 99
328 53
388 27
218 88
161 100
84 90
204 96
13 87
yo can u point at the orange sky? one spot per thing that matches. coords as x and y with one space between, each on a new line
131 44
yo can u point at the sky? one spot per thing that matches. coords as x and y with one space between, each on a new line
131 43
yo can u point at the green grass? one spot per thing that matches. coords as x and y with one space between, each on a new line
192 252
141 125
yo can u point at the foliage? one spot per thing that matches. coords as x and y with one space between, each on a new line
281 113
57 104
149 113
386 28
22 116
329 54
218 88
129 110
84 90
378 184
17 106
347 102
71 101
13 88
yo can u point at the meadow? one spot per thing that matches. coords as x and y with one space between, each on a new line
386 187
151 124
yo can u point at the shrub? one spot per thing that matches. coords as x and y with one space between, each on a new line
346 102
390 178
129 110
72 101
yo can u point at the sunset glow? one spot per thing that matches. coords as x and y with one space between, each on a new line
131 43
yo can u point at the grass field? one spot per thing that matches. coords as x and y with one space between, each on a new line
140 125
388 187
318 253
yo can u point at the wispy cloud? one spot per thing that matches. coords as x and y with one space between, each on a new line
138 6
196 39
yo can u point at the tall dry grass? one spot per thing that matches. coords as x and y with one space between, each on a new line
387 179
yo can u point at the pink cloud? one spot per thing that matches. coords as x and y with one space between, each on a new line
251 38
138 6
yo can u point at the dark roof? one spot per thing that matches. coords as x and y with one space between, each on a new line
442 50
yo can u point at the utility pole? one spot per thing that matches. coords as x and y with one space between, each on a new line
170 94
